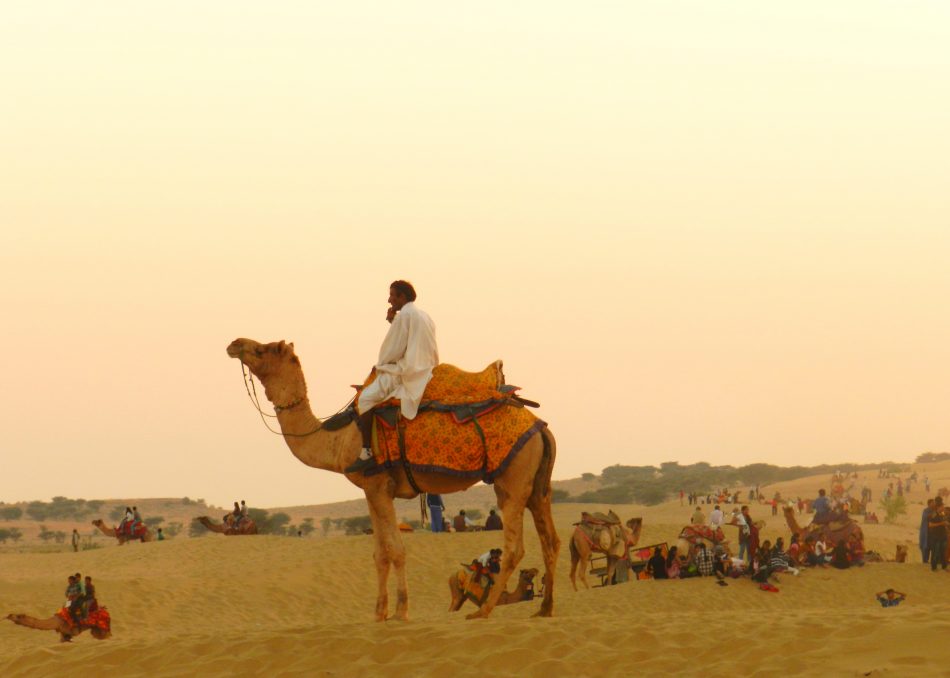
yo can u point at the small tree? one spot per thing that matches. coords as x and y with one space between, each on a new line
325 525
893 507
307 526
45 534
560 496
154 521
588 477
357 525
196 529
172 529
11 512
59 536
4 535
15 534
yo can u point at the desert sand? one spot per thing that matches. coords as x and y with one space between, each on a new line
269 605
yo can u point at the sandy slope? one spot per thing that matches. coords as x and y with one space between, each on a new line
284 606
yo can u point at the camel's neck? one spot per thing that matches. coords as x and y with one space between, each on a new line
108 531
214 527
792 522
51 624
313 445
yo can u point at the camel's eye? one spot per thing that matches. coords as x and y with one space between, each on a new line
258 351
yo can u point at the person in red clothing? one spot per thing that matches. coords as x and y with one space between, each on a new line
753 533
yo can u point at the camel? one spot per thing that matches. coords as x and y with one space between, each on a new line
525 584
524 483
56 623
144 534
831 532
247 526
608 542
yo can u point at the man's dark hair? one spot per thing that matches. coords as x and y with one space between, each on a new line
404 288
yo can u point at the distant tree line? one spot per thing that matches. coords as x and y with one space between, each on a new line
930 457
651 484
60 508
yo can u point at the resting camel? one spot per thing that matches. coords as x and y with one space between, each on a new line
830 532
524 483
56 623
605 541
457 585
247 526
691 535
144 536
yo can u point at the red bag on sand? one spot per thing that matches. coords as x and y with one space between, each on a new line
768 587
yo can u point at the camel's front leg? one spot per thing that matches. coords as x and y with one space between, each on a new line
389 550
513 517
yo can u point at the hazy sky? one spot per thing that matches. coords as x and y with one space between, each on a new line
693 230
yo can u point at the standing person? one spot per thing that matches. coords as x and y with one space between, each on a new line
404 368
698 518
75 540
937 535
753 532
739 520
922 537
801 506
436 507
681 497
716 518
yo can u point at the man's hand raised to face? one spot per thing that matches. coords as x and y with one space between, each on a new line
390 314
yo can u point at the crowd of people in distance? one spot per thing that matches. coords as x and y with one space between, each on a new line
80 597
461 522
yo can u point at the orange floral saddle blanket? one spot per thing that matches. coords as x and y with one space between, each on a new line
470 424
98 618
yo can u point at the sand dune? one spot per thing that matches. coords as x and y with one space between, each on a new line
286 606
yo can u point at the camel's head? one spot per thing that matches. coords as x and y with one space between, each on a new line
97 522
276 365
527 576
634 527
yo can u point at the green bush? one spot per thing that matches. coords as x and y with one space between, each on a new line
11 512
893 508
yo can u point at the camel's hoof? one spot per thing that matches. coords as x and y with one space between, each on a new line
476 615
543 613
399 617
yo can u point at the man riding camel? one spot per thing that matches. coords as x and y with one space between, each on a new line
406 359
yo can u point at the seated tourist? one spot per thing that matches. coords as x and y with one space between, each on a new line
656 566
127 520
794 551
74 598
461 522
89 602
490 561
839 557
855 550
493 521
673 563
779 561
703 560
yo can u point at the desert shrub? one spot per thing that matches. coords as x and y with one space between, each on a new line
893 507
154 521
357 525
560 496
172 529
588 477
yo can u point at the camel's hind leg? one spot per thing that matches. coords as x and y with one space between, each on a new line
540 508
389 551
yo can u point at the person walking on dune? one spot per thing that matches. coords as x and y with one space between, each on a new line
404 368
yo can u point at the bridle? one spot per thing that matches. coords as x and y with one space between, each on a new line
252 394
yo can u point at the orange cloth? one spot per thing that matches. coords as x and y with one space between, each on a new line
435 442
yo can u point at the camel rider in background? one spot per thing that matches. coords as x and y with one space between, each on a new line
136 516
243 511
126 524
235 515
406 359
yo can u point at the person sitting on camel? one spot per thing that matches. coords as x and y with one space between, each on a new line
822 507
406 360
127 520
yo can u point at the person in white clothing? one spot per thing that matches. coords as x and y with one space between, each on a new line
716 518
404 368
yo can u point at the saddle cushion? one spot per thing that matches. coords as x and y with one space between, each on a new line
451 385
693 533
436 443
98 618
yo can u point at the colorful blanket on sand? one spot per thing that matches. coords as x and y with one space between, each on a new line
99 619
478 443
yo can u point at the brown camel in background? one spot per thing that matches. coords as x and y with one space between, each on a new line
615 544
247 526
144 536
524 483
831 532
65 630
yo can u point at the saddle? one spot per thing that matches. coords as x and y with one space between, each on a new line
603 532
598 518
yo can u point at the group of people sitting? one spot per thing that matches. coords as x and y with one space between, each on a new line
237 516
80 597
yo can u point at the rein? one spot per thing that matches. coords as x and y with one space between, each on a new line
252 394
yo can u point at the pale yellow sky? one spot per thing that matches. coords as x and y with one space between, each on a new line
692 230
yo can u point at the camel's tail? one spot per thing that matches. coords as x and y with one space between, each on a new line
542 479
